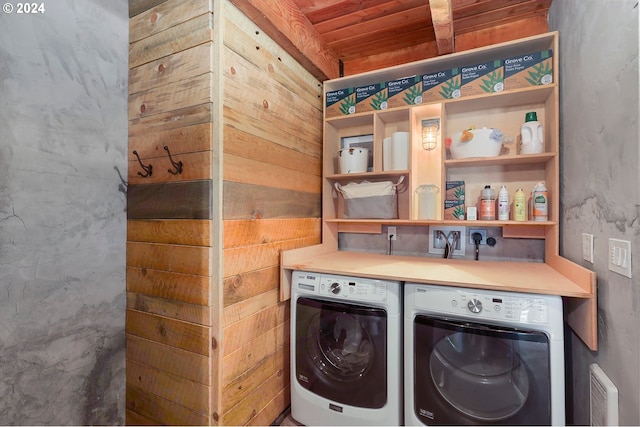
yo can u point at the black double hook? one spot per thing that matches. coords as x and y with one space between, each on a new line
178 165
148 169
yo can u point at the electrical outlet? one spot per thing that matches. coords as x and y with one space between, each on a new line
483 233
438 236
392 234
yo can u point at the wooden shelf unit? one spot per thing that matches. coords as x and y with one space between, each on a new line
504 110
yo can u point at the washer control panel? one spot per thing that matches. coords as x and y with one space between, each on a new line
342 287
478 304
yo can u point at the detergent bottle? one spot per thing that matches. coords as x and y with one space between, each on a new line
532 141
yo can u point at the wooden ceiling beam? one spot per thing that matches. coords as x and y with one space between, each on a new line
442 18
283 21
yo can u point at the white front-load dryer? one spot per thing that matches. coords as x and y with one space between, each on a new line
346 350
482 357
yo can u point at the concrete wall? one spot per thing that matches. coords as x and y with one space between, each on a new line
599 166
63 141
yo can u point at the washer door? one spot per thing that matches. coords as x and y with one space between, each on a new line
466 373
340 346
341 351
479 376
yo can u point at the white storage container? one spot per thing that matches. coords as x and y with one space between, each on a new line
485 142
353 160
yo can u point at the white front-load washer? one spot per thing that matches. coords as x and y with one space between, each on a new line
482 357
346 350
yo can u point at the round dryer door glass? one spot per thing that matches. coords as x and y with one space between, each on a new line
481 376
339 346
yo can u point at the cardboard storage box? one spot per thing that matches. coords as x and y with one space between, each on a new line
404 91
480 79
371 97
454 209
454 190
441 85
341 102
534 69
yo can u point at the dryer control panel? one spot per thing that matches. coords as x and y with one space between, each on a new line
478 304
342 287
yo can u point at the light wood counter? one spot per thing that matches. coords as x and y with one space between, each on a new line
538 278
556 276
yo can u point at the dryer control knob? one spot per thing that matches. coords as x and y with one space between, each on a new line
474 305
335 288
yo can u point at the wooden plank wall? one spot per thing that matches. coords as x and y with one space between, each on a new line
170 345
272 115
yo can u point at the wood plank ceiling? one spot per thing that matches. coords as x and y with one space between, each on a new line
368 34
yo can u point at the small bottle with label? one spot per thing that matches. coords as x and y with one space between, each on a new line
487 204
503 204
540 202
520 206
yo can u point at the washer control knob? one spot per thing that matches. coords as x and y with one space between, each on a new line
335 288
474 305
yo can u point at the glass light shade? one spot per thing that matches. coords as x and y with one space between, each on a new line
430 128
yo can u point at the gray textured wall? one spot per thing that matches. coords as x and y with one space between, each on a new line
599 164
63 142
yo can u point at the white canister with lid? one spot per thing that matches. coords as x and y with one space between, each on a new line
532 141
353 160
427 201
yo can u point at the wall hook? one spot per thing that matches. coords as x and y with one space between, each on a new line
178 165
147 169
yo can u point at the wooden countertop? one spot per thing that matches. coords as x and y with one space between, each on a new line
529 277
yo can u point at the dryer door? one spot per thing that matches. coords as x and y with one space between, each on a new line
341 351
466 373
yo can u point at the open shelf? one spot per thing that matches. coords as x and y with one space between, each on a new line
505 110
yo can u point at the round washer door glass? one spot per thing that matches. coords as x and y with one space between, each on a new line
341 351
480 376
339 346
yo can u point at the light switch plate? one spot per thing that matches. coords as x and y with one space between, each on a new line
620 257
587 247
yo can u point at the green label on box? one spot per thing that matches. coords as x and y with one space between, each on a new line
340 102
404 91
454 209
441 85
371 97
533 69
482 78
454 190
